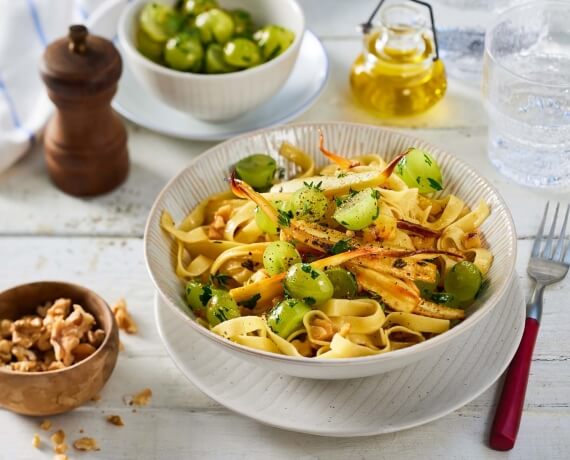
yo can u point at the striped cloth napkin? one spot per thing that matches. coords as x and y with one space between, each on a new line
26 28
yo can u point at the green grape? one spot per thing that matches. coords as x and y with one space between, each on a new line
279 256
273 40
243 23
287 317
419 170
309 284
221 307
463 281
242 52
264 223
215 25
184 52
344 283
309 203
195 290
215 62
160 22
148 47
196 7
359 210
257 170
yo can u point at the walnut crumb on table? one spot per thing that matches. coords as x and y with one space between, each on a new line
85 444
36 441
45 425
57 438
141 398
115 420
124 319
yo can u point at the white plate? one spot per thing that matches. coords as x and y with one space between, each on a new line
134 103
394 401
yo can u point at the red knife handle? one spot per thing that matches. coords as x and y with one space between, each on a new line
510 407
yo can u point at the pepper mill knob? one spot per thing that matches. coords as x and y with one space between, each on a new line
85 142
78 38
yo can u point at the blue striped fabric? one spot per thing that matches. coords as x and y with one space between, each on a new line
37 22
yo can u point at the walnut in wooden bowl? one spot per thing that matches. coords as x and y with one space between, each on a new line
59 344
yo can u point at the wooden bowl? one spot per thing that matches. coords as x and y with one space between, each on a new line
54 392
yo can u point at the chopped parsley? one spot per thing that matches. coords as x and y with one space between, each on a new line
310 270
251 302
341 175
206 294
434 184
312 185
309 300
427 160
284 217
375 194
340 246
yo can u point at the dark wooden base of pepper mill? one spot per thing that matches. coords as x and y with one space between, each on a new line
83 165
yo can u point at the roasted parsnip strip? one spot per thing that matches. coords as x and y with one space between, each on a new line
434 310
341 162
417 229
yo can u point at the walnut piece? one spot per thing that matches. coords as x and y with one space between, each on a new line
123 317
322 329
57 438
142 398
218 225
59 310
66 333
45 425
5 328
82 351
115 420
86 444
26 366
60 457
5 351
27 330
96 337
23 354
36 442
61 448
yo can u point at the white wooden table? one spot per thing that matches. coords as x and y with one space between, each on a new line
45 234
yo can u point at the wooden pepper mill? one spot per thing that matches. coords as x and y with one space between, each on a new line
85 141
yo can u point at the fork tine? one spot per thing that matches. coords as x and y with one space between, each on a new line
538 239
547 251
561 239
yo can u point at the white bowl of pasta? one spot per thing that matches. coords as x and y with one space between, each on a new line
367 261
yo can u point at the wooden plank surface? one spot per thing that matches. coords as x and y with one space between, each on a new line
183 423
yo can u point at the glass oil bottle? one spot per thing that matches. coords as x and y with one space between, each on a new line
399 72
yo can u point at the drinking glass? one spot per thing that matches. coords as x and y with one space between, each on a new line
526 86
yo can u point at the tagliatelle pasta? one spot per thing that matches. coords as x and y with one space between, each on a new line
348 261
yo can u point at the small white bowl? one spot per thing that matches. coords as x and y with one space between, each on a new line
206 175
223 96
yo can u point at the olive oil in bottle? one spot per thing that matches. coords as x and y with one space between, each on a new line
398 73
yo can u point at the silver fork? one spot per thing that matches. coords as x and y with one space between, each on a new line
547 266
